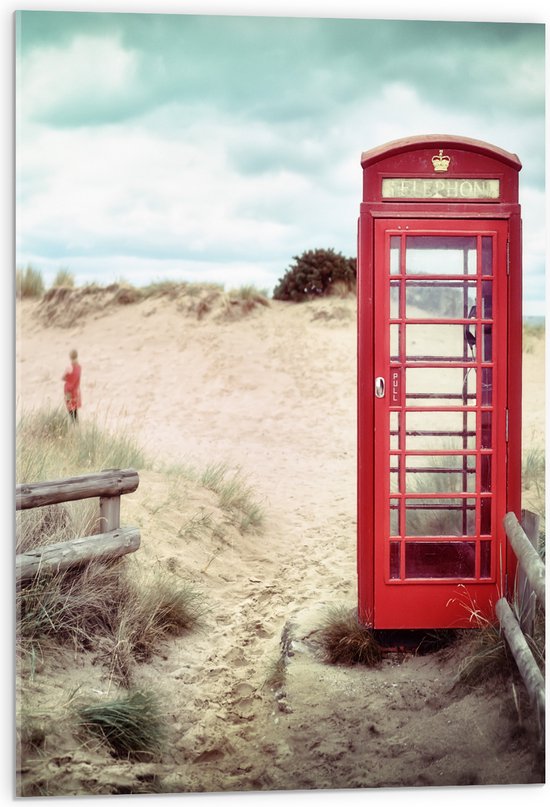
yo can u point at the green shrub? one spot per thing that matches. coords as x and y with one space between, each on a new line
314 274
29 283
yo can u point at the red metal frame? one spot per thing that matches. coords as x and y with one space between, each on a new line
435 602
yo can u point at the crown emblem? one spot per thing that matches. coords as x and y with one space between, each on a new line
440 161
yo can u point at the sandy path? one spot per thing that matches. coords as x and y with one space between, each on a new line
273 395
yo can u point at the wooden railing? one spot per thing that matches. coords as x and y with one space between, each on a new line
113 542
530 587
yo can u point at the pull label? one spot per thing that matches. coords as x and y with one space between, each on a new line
395 386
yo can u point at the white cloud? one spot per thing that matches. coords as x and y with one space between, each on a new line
211 180
89 72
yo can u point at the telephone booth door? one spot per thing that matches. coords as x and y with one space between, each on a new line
439 441
439 381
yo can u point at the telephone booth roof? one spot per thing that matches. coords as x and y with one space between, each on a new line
485 174
408 144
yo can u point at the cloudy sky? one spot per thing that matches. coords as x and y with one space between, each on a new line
215 147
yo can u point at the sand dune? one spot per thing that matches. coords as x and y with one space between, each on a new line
271 393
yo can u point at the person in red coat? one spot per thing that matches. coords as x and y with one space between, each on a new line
72 386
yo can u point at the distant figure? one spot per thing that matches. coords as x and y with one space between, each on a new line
72 386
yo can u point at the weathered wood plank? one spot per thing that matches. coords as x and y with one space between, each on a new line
109 513
527 556
526 597
527 666
52 558
113 482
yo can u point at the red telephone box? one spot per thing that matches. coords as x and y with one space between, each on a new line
439 381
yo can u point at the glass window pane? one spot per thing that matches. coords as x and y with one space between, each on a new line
395 560
440 387
440 559
394 342
439 299
429 342
486 430
441 255
394 516
394 299
450 473
487 343
487 255
433 517
487 299
486 386
395 254
485 515
485 559
485 473
394 430
394 474
440 431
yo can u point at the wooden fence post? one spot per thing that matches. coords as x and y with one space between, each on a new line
54 558
107 485
109 513
527 556
527 666
527 599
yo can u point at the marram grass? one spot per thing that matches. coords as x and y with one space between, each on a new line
344 640
131 726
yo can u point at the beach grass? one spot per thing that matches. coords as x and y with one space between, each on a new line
344 640
28 283
132 726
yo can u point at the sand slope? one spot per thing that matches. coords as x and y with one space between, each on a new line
272 394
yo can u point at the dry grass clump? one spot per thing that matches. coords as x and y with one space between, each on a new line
155 606
28 283
242 301
344 640
236 497
64 278
483 655
48 446
116 610
534 490
131 726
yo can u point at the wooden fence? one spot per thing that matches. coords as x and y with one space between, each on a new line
113 542
530 587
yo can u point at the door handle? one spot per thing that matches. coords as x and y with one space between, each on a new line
379 387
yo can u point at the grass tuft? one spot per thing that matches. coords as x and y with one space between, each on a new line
131 726
64 278
235 496
118 610
344 640
48 446
28 283
486 656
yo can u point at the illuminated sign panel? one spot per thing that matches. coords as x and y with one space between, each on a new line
440 188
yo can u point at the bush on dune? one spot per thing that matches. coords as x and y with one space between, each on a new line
316 273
